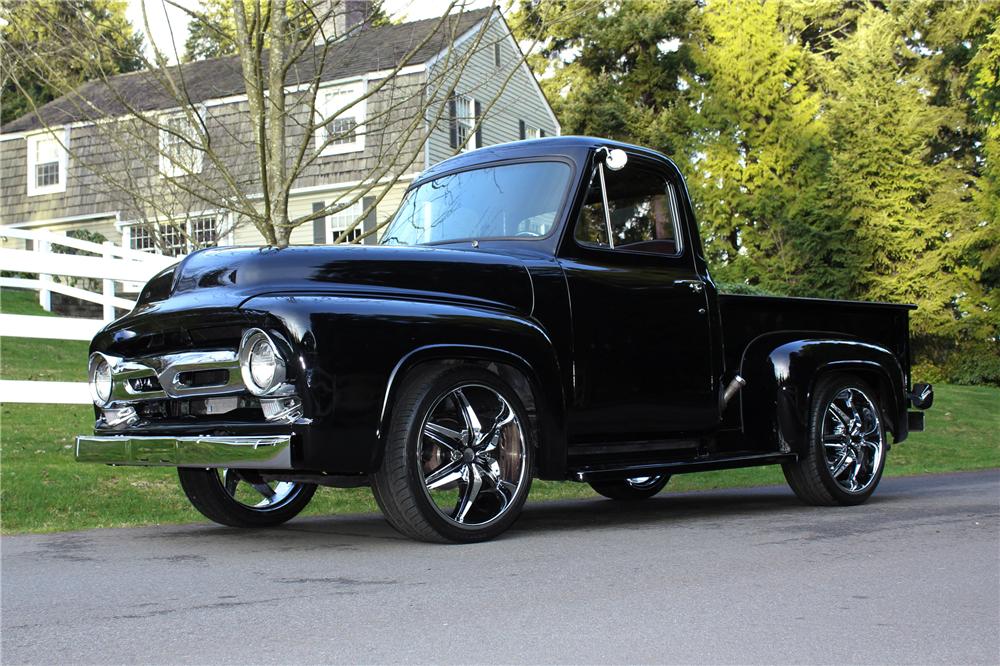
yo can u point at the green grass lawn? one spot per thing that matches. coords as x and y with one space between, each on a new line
42 489
35 359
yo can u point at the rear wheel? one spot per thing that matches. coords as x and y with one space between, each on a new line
241 498
458 457
845 452
631 489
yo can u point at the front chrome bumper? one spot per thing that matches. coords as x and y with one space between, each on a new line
246 452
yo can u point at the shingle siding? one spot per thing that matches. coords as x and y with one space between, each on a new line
100 148
130 154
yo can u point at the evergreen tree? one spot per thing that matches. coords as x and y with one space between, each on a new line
212 33
613 71
907 185
761 155
212 29
839 149
38 29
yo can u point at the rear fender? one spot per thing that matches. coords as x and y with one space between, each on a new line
782 373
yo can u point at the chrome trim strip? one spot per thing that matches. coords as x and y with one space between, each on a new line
167 369
240 452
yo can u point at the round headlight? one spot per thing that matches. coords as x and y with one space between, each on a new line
100 379
261 365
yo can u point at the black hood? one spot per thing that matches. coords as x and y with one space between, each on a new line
229 276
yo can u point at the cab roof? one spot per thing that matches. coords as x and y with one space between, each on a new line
575 148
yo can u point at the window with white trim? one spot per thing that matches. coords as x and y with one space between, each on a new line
47 163
140 237
173 239
464 134
204 231
337 223
179 141
342 132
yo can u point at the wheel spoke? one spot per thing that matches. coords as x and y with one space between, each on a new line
472 486
874 446
874 428
488 440
845 461
840 415
445 474
855 470
446 437
230 479
265 490
850 405
468 414
505 491
837 441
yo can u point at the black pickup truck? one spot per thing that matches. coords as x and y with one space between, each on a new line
535 309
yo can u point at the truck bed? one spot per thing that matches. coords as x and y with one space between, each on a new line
744 318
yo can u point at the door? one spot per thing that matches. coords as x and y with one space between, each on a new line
642 338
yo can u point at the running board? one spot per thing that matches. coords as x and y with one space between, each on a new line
605 472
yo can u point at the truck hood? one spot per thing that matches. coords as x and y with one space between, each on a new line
227 277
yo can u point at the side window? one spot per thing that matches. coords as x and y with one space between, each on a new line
642 208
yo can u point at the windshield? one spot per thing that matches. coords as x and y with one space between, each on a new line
507 201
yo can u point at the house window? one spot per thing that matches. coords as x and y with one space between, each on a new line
464 112
341 129
342 220
140 237
496 55
204 232
179 141
174 239
47 162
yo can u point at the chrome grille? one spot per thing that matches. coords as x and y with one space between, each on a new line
181 375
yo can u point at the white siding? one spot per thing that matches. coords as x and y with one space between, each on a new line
302 204
521 99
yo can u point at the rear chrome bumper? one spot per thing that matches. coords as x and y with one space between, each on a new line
246 452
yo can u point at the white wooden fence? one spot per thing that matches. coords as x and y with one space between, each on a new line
110 264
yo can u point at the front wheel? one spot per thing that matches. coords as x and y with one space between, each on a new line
845 451
632 489
458 457
241 498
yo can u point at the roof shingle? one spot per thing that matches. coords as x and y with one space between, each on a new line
371 50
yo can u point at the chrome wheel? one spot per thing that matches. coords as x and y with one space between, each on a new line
853 440
249 490
643 482
471 455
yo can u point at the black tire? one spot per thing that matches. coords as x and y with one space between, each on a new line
631 490
813 476
401 484
206 492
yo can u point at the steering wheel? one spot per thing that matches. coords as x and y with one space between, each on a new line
530 234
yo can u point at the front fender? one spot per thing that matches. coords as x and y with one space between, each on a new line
354 351
781 376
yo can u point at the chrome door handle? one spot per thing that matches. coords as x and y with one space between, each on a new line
697 286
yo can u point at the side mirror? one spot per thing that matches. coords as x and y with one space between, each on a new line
615 159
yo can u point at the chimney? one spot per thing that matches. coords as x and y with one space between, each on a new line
341 18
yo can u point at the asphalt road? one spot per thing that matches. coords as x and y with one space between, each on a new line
741 576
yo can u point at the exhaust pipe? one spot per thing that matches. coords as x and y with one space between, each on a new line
732 389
